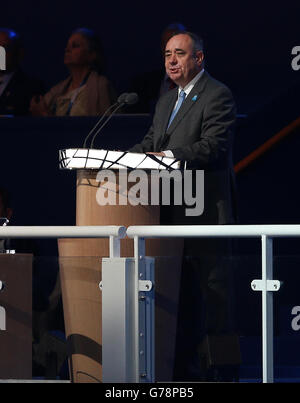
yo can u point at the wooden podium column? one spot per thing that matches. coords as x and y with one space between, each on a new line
80 274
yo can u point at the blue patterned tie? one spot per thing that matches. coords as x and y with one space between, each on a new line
179 103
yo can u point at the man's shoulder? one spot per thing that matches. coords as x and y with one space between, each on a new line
213 84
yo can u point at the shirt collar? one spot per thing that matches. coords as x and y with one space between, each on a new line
188 88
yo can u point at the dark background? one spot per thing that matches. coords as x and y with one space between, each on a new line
248 44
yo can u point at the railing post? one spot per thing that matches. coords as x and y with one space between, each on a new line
267 286
114 246
267 309
139 254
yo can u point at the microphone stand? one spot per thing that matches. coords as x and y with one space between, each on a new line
106 121
97 124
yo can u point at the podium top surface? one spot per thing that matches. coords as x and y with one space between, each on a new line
83 158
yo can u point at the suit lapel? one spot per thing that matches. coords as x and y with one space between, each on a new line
168 110
189 102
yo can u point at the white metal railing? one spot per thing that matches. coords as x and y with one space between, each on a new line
140 233
266 284
114 233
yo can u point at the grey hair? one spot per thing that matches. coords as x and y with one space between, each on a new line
198 44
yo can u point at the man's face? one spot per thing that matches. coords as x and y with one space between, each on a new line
181 62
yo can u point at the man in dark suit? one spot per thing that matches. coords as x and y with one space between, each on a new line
195 124
16 87
202 131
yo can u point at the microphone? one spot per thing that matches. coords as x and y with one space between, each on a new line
131 98
124 99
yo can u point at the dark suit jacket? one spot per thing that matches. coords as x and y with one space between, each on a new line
202 135
15 99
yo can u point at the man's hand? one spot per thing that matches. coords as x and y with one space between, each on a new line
161 154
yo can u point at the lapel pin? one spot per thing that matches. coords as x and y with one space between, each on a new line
194 97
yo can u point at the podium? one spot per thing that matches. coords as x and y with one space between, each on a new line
80 259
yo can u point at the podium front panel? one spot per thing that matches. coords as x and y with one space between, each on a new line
80 260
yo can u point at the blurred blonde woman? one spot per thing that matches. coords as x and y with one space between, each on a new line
86 91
